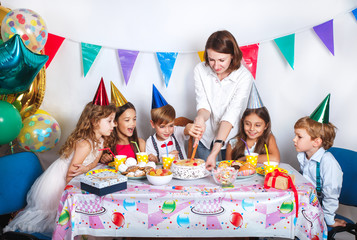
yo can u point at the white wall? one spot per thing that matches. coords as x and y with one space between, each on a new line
183 26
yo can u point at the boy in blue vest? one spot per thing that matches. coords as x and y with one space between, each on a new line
166 134
313 136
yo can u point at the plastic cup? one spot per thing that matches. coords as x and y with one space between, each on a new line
252 159
118 160
270 167
142 157
167 160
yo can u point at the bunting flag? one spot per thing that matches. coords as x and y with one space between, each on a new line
325 33
52 45
167 61
286 45
354 11
127 60
89 53
250 57
201 55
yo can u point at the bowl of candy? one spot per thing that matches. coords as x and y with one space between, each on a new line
224 176
159 176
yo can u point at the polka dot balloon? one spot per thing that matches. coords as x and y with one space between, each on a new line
28 25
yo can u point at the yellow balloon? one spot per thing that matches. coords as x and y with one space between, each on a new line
40 111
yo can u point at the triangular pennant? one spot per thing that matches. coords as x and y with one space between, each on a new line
52 45
89 53
201 55
286 45
250 56
127 60
325 33
167 61
354 11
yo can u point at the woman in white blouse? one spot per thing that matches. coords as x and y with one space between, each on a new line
222 87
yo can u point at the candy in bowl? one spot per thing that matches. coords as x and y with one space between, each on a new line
159 176
224 176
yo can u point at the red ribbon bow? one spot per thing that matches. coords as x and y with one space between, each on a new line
168 144
276 173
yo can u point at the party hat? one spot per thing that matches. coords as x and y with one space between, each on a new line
254 101
321 113
117 98
101 97
157 99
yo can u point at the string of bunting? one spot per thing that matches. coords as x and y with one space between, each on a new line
127 58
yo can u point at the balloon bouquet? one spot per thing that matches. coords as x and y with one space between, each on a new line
22 82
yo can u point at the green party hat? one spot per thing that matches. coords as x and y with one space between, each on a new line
321 113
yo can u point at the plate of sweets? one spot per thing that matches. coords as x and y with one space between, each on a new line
261 170
245 169
134 170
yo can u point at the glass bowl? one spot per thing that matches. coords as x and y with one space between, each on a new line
224 176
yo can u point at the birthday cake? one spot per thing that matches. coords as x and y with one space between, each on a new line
188 169
90 206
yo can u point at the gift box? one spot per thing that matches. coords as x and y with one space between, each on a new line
103 182
279 182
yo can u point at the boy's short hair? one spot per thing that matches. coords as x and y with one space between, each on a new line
325 131
164 114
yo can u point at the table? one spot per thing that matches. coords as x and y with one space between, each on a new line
144 210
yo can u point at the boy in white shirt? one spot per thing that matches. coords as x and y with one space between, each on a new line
167 135
313 136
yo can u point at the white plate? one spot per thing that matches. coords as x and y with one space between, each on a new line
137 178
244 177
189 179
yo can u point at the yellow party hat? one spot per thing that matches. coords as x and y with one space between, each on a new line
117 98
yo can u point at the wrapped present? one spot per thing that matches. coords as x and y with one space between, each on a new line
281 180
103 181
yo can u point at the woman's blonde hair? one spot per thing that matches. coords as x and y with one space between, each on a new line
238 150
325 131
224 42
86 124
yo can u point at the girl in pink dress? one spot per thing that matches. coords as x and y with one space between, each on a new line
124 137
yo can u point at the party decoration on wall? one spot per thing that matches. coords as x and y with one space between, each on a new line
286 45
116 97
27 24
101 97
201 55
29 101
322 113
10 122
236 219
127 60
250 57
325 33
354 12
167 61
53 44
18 66
118 219
40 133
89 54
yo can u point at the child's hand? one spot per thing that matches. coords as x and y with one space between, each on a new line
78 171
106 158
152 158
339 223
176 153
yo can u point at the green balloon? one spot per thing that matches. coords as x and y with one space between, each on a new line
10 122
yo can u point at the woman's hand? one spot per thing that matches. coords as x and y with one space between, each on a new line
106 158
211 162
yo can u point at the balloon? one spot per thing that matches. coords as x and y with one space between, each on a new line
18 66
169 206
28 102
118 219
10 122
236 219
40 111
287 207
40 133
29 25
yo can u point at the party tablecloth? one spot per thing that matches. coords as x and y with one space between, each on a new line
178 210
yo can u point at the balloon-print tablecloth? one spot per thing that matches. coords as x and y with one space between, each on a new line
182 209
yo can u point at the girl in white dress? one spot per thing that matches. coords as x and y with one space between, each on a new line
79 154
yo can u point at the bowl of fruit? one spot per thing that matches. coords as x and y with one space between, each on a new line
159 176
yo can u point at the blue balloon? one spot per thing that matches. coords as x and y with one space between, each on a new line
18 66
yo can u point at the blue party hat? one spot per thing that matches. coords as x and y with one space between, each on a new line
254 101
157 99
